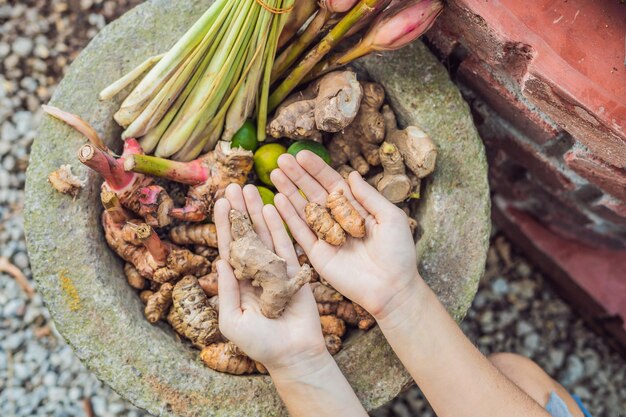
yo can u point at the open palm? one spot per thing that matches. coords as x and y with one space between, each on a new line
369 271
273 342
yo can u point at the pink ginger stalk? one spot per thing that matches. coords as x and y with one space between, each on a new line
155 246
190 173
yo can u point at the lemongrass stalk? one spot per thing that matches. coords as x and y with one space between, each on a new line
296 20
211 125
361 11
163 70
291 54
150 141
115 88
211 88
243 105
262 111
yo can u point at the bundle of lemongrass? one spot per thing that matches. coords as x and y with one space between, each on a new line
221 71
208 84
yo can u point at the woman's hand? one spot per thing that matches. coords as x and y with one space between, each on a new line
377 271
295 339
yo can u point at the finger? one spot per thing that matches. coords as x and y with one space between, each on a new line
374 202
282 242
284 186
254 203
311 188
228 290
327 177
298 227
234 194
222 224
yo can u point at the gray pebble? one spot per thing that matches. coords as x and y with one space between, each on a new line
13 341
500 286
20 260
22 46
574 371
8 133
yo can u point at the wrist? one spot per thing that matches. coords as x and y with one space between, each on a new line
301 367
406 305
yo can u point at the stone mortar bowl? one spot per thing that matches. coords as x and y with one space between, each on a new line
82 281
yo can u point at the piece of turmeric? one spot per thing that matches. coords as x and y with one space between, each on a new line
333 325
195 234
220 357
323 224
199 318
159 303
345 214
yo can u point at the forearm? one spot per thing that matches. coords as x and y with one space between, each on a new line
317 389
455 377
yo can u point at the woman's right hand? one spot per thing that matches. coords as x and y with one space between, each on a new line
379 272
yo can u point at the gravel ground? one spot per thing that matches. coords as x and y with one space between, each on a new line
515 310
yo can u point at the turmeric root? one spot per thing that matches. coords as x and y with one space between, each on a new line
145 295
199 318
65 182
333 343
324 294
220 357
415 146
324 226
345 171
358 143
206 252
333 325
330 105
175 321
365 319
181 262
251 259
345 214
133 277
195 234
393 183
208 176
159 303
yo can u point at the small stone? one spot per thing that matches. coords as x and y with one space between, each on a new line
8 133
574 371
13 341
522 328
500 286
22 46
557 357
21 372
20 260
532 342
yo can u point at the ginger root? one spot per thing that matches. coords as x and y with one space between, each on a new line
252 260
358 143
415 146
323 224
345 214
330 105
199 318
393 183
159 303
65 182
195 234
223 357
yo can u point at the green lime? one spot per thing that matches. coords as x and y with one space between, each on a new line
246 137
309 145
266 160
267 195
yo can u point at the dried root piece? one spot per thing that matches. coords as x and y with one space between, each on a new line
345 214
324 294
208 176
333 343
251 259
133 277
65 182
181 262
323 224
358 143
333 325
326 309
195 234
365 319
393 183
415 146
199 318
159 303
329 105
220 357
